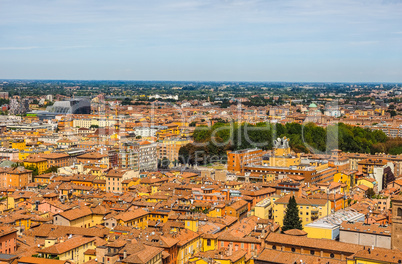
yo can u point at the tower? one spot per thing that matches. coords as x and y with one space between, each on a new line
396 235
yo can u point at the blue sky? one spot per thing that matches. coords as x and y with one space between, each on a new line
217 40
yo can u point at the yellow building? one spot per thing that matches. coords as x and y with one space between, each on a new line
282 155
209 242
18 144
169 149
23 222
370 183
43 179
71 249
263 209
90 254
80 217
191 224
161 216
6 204
344 179
269 177
155 198
309 209
100 184
189 245
137 219
216 211
37 162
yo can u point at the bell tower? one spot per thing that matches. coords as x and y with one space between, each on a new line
396 235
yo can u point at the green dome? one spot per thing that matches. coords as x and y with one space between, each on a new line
312 105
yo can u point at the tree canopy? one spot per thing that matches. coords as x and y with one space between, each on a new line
292 219
221 137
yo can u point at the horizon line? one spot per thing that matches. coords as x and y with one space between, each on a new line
199 81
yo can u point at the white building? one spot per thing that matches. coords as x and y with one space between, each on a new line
148 156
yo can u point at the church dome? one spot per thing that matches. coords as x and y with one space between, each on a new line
312 105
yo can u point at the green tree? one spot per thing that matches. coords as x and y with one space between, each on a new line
164 163
370 192
292 219
126 101
51 169
392 112
34 170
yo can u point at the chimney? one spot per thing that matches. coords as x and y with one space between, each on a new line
124 254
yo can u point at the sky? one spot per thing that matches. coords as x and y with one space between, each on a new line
202 40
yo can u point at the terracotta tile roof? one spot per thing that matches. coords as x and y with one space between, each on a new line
116 173
306 242
366 228
222 255
130 215
33 260
49 230
301 201
76 213
295 232
34 159
380 255
92 155
67 245
140 253
5 230
54 156
238 204
285 257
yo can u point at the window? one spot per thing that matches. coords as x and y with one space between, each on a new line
293 249
273 247
332 255
208 242
222 245
312 252
399 212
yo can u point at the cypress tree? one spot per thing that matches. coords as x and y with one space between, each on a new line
292 219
